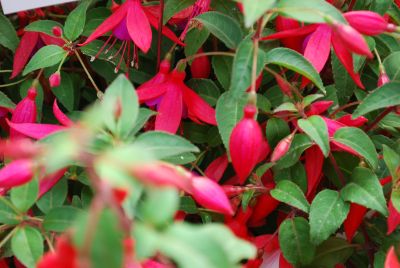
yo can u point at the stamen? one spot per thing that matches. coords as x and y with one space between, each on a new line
110 47
101 49
124 45
119 50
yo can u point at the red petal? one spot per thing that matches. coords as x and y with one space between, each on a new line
197 107
264 206
217 168
394 218
35 131
24 52
170 110
50 180
319 46
51 40
314 160
391 260
348 121
319 107
138 25
292 33
295 43
16 173
60 116
337 146
354 220
146 93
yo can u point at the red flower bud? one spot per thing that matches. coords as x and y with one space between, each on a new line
55 79
245 143
282 148
57 31
16 173
352 40
383 79
319 107
24 112
368 22
201 67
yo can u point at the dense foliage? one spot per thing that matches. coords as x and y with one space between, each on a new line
201 133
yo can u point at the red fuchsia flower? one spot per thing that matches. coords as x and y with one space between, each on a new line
40 131
64 256
16 173
30 43
265 205
199 7
201 66
318 107
238 223
392 260
55 79
282 148
383 78
283 24
57 31
217 168
129 23
353 220
368 22
245 143
173 98
24 112
314 161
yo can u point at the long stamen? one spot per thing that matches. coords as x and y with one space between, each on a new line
129 56
110 47
119 50
124 45
101 49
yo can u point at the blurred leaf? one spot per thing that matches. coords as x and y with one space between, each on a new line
24 196
253 10
8 212
53 198
27 245
59 219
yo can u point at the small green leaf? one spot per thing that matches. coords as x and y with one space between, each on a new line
60 218
194 40
24 196
296 62
173 7
222 66
8 36
143 116
27 245
385 96
315 127
311 98
47 56
8 212
43 26
5 101
300 143
294 241
392 161
223 27
75 22
285 107
360 142
291 194
327 213
365 189
253 10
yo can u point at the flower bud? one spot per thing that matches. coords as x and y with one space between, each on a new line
244 144
319 107
282 148
383 79
24 112
55 79
57 31
368 22
16 173
201 67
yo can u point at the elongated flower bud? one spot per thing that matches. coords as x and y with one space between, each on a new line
201 67
57 31
210 195
319 107
353 40
244 144
55 79
16 173
282 148
24 112
383 79
368 22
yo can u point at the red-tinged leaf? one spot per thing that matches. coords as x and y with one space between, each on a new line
210 195
348 121
138 25
216 169
392 260
170 110
292 33
109 24
393 219
24 51
346 59
244 144
35 131
16 173
165 30
60 116
197 107
50 180
354 220
319 46
314 160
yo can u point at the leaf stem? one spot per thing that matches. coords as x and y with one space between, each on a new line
14 83
7 237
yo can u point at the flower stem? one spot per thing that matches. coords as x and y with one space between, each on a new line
160 37
14 83
7 237
99 93
378 119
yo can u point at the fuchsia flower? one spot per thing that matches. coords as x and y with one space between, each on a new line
368 22
245 143
199 7
282 148
129 23
392 260
55 79
16 173
173 98
201 66
24 112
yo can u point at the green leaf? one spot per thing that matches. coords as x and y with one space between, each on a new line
291 194
276 130
344 84
27 245
395 198
229 112
75 22
8 212
60 218
53 198
331 252
194 40
300 143
253 10
243 67
162 144
392 161
365 189
5 101
360 142
294 241
8 36
206 88
312 11
315 127
391 64
296 62
172 7
65 92
222 66
143 116
47 56
311 98
286 107
223 27
24 196
327 213
43 26
385 96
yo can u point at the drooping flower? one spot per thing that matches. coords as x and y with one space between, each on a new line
368 22
16 173
131 24
245 143
199 7
55 79
216 169
173 98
